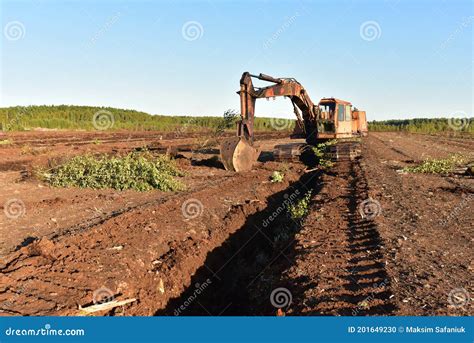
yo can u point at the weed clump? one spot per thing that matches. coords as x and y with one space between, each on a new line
437 166
300 209
320 152
277 177
137 171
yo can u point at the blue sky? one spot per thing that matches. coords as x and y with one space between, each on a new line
393 58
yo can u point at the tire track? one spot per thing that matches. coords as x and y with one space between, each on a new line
339 266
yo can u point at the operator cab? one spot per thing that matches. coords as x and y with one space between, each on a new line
339 120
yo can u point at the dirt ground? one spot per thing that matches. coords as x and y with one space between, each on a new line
376 241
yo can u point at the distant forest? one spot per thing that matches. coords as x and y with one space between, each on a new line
107 118
90 118
424 125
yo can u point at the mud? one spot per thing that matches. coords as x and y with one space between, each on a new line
227 245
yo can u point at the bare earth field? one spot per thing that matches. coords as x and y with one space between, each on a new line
226 246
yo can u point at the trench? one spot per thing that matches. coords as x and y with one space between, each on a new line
231 280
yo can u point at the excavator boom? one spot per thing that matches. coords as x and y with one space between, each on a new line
304 108
239 153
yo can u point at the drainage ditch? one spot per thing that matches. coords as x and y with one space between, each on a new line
232 281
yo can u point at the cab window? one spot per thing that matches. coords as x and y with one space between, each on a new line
340 112
348 112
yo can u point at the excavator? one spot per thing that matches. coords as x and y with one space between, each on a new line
331 119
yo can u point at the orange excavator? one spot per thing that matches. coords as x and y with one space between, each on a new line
330 119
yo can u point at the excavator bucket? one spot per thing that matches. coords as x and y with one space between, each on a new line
238 154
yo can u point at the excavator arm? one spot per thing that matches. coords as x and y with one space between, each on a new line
238 153
305 110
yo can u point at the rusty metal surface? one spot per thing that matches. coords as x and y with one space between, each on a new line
362 126
239 154
344 151
290 151
330 100
288 87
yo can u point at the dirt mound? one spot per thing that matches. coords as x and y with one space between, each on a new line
149 253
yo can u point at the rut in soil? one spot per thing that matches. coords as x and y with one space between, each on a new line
226 283
369 282
238 277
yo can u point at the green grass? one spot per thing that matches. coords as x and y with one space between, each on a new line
81 118
137 171
437 166
277 177
424 125
300 209
6 142
320 152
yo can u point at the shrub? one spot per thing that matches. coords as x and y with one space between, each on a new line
300 209
437 166
277 176
320 152
138 171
